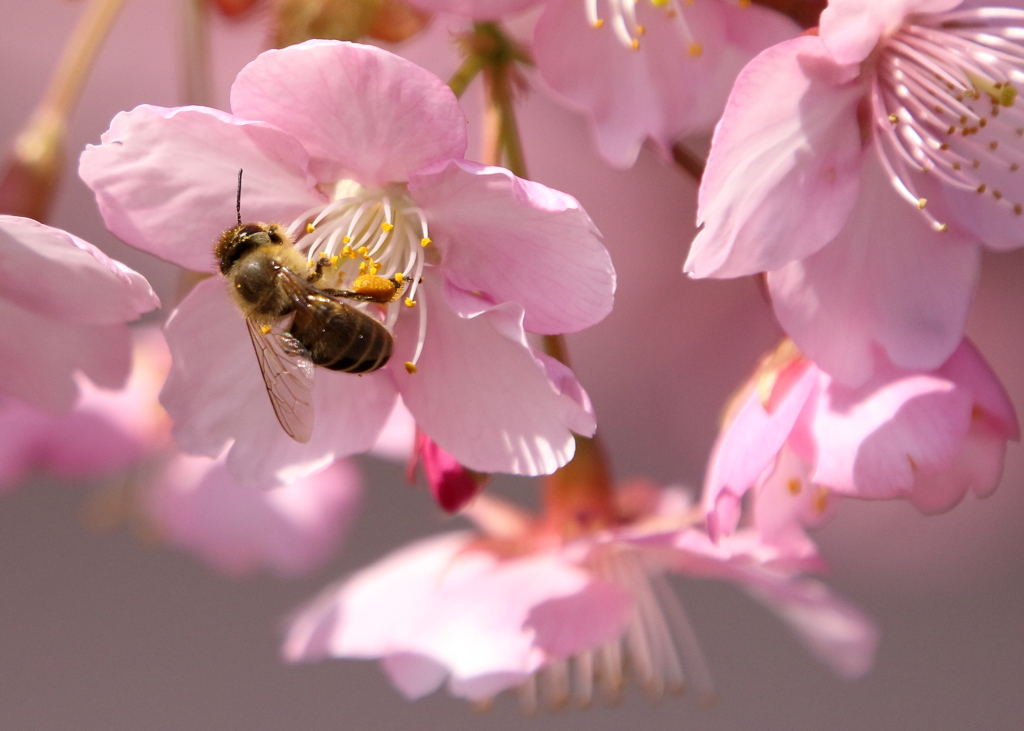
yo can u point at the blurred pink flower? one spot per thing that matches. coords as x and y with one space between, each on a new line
189 502
291 529
516 606
926 436
64 306
861 168
367 149
656 70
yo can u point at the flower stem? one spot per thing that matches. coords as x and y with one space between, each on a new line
195 51
30 177
690 163
464 75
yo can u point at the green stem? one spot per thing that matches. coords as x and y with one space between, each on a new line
465 74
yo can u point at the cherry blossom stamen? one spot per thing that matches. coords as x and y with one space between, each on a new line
944 101
369 232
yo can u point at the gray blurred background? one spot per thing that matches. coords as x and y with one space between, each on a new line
99 633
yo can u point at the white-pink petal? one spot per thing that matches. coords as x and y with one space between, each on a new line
852 28
360 112
784 166
481 393
514 240
887 279
166 179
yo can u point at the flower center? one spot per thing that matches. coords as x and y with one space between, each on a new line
627 27
659 647
370 245
944 102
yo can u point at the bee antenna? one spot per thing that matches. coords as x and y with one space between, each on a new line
238 200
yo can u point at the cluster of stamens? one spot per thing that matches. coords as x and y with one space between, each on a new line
372 243
628 29
944 102
659 649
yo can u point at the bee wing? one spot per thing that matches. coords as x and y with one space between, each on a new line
288 376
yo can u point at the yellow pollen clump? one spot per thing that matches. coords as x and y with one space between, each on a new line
696 49
410 367
425 242
310 228
346 240
410 302
793 486
265 329
386 227
599 23
377 288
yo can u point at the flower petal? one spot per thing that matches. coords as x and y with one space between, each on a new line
215 394
748 446
674 83
40 357
782 174
362 113
166 179
836 632
441 599
851 28
886 279
81 283
483 395
290 530
513 240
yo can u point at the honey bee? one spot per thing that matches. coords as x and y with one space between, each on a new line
294 324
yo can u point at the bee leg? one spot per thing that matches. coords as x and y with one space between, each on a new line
349 295
318 269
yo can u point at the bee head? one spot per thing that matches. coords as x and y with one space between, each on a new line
243 239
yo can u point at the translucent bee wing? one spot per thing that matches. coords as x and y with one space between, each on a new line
288 375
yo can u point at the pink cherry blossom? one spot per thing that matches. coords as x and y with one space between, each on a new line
514 607
352 147
656 70
926 436
64 306
862 168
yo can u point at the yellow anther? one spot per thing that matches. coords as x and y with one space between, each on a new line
374 269
410 367
660 3
821 500
794 486
410 302
363 251
943 228
334 260
310 228
424 242
599 23
265 329
982 188
363 266
696 49
636 44
399 277
386 227
894 118
346 240
921 203
640 30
